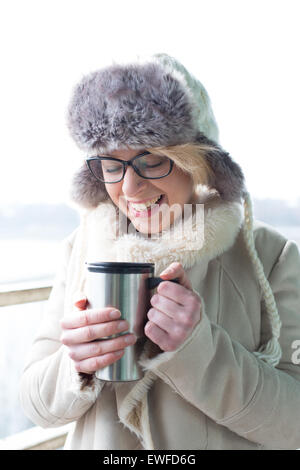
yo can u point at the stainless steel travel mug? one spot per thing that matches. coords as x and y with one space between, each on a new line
127 287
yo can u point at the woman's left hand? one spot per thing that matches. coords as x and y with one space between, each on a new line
176 310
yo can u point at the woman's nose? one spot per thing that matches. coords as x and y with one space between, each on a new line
132 182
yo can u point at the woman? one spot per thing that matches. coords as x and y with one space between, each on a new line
218 356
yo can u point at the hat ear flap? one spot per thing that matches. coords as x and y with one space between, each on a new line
86 190
227 177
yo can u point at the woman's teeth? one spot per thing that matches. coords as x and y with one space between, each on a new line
144 206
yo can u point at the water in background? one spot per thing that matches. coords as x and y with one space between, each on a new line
22 260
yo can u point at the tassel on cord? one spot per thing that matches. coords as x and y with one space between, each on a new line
271 351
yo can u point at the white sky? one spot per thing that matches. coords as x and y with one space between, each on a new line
245 52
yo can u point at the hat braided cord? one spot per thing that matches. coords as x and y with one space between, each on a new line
271 351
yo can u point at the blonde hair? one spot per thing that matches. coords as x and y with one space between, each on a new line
191 159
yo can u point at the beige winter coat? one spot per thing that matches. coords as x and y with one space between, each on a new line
213 392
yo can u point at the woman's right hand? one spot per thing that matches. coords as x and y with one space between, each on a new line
82 333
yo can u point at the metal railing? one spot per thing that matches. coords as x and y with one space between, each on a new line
35 438
14 295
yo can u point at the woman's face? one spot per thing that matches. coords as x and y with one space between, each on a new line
176 190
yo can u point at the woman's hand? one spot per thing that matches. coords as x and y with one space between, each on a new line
84 328
176 310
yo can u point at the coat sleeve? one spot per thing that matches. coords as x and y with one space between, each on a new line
230 384
51 391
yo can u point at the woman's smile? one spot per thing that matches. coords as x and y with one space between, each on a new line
147 208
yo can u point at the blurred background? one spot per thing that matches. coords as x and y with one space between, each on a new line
246 53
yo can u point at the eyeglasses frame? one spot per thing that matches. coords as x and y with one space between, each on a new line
126 164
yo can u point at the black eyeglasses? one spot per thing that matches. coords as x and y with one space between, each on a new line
146 165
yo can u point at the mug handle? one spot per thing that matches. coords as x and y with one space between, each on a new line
153 282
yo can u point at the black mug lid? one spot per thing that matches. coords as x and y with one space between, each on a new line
120 267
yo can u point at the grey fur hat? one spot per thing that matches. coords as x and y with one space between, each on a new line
152 102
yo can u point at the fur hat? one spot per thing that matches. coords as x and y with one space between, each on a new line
150 103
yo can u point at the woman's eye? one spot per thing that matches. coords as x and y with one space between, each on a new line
112 170
115 169
152 162
154 165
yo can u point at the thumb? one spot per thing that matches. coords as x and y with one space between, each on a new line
175 270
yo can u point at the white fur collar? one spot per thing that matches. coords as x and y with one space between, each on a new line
215 233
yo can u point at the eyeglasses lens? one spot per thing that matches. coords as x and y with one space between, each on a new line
153 166
148 166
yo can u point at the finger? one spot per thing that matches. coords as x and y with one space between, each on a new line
157 335
79 352
161 320
90 317
166 305
175 270
175 292
182 317
95 363
92 332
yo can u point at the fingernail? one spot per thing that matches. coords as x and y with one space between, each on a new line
130 339
166 271
114 314
80 301
122 325
119 353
